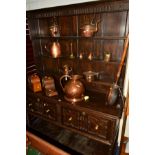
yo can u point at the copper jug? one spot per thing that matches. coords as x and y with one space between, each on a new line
66 70
74 89
54 49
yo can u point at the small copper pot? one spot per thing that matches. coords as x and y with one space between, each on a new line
90 75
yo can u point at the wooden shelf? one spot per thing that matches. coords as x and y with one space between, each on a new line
78 59
80 37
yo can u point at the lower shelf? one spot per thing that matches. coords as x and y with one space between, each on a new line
66 140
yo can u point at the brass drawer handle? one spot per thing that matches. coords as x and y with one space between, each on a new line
70 119
83 113
96 127
45 104
48 110
38 99
30 104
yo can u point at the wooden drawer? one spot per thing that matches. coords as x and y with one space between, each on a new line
98 126
70 117
35 104
38 105
29 104
50 110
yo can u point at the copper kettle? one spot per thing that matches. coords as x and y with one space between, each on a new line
54 30
73 89
88 30
54 49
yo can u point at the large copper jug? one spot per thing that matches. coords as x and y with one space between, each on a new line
74 89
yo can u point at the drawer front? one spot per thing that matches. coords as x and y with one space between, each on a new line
70 118
50 110
98 126
34 104
38 105
29 104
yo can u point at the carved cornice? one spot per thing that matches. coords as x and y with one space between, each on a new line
77 9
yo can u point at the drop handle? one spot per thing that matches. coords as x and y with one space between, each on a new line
70 119
96 127
30 104
38 99
48 110
83 113
45 104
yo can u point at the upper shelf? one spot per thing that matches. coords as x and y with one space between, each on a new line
80 37
83 59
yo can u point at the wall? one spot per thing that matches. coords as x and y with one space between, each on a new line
38 4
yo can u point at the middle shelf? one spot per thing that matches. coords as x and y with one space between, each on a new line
79 37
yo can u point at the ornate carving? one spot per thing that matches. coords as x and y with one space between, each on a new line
99 7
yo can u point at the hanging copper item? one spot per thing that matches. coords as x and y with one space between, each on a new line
54 49
88 30
54 29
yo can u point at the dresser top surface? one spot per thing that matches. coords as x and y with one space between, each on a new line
95 104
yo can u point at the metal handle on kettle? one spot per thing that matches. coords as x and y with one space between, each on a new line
61 80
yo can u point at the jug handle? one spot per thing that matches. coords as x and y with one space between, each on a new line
61 80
